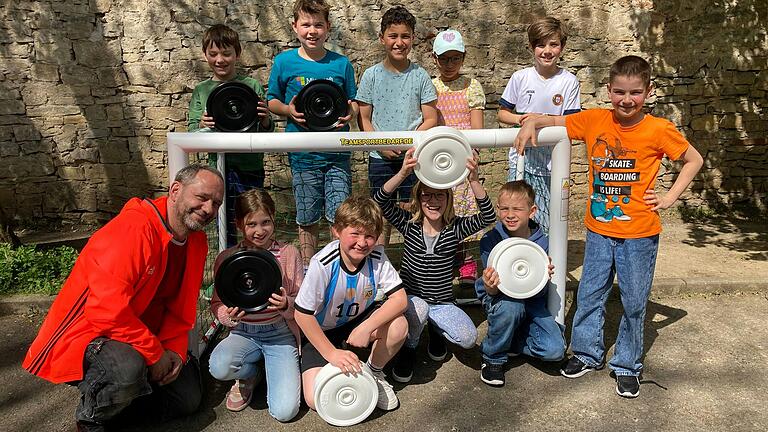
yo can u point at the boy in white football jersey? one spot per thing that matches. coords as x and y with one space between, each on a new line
351 296
543 88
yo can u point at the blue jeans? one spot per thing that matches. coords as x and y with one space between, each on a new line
452 322
320 189
116 382
238 355
633 261
521 326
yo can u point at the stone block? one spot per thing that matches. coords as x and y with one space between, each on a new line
704 123
185 54
71 173
77 74
61 201
12 107
100 6
256 55
165 113
101 53
115 151
143 74
8 149
82 154
44 72
111 76
26 133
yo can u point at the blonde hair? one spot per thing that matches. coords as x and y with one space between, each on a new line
519 187
415 203
359 211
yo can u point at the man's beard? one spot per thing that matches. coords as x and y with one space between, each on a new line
191 223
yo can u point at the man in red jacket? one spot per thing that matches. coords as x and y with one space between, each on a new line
119 326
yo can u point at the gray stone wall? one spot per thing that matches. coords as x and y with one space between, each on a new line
89 89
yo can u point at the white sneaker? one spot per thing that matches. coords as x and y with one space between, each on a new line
387 397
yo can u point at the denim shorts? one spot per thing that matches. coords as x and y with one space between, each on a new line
320 189
381 170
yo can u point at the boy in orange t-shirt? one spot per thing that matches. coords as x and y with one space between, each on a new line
625 147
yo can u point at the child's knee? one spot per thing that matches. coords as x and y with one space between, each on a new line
220 365
398 329
553 353
284 412
470 341
418 309
505 308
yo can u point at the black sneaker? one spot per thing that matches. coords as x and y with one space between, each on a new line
576 368
436 349
402 369
492 374
627 386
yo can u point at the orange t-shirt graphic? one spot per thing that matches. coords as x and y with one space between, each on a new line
624 163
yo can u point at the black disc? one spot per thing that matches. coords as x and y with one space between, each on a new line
247 279
322 102
234 107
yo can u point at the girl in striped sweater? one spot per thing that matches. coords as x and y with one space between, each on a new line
431 237
271 334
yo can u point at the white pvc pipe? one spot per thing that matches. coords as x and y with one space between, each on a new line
181 143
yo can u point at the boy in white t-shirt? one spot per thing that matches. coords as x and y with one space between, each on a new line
544 88
351 296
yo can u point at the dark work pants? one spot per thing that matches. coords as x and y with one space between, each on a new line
116 379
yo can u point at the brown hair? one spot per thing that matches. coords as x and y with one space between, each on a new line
359 211
546 28
221 36
397 15
519 187
253 200
311 7
418 215
631 66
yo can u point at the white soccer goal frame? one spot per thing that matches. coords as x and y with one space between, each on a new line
180 144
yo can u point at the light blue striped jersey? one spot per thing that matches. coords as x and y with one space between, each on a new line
336 295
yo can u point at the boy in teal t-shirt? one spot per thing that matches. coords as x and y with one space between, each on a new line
221 50
321 180
395 94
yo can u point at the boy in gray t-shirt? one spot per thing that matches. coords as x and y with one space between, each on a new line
395 95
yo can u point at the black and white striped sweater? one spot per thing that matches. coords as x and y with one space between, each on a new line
430 276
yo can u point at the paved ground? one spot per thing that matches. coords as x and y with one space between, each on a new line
706 353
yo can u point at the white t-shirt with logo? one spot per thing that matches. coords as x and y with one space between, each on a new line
336 295
528 92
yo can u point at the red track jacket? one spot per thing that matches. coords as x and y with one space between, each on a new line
110 293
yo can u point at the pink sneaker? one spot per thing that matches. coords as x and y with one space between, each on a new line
468 271
240 395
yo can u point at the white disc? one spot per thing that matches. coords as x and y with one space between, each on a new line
442 155
345 400
522 265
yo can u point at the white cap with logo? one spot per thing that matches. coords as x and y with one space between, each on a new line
448 40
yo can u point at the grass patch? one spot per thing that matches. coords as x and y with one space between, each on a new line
27 270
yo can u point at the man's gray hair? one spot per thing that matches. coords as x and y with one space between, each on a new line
186 174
